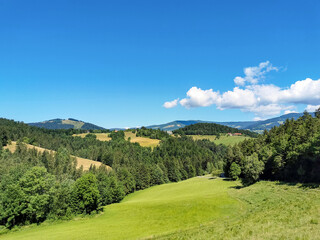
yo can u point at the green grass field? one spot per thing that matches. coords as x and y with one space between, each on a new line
227 140
198 208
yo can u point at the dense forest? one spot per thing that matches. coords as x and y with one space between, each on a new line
33 184
290 152
38 186
151 133
211 129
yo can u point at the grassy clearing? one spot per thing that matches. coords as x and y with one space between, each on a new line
85 163
198 208
157 210
100 136
143 141
227 140
76 124
273 211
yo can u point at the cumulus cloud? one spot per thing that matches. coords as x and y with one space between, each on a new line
238 98
171 104
312 108
263 100
254 74
199 98
289 111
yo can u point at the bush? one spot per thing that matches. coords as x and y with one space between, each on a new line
86 194
234 171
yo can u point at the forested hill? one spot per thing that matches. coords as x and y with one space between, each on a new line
211 129
62 191
290 152
66 124
255 126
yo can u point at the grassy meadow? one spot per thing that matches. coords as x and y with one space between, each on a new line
154 211
100 136
143 141
198 208
272 210
227 140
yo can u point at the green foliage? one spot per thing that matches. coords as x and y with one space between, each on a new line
117 135
252 169
317 113
216 172
234 171
211 129
289 152
86 194
151 133
29 199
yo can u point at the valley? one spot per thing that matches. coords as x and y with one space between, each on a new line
198 208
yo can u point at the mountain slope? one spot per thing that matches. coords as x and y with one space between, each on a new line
85 163
256 126
66 124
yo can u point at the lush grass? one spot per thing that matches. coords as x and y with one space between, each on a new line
227 140
157 210
199 208
273 211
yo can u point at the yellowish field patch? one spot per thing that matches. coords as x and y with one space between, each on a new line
76 124
86 163
100 136
143 141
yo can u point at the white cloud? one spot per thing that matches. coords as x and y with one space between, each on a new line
254 74
289 111
263 100
257 119
312 108
199 98
238 98
305 92
171 104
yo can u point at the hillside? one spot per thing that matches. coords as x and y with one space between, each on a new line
256 126
198 208
85 163
212 129
223 139
143 141
69 123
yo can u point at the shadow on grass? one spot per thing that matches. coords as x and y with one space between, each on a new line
228 179
234 187
301 185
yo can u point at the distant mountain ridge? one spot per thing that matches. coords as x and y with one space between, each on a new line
59 123
255 126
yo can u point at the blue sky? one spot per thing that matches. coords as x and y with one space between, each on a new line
115 63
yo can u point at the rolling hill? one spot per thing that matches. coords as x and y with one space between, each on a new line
85 163
255 126
197 208
66 124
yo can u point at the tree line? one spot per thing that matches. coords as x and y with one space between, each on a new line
211 129
150 133
64 191
290 152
